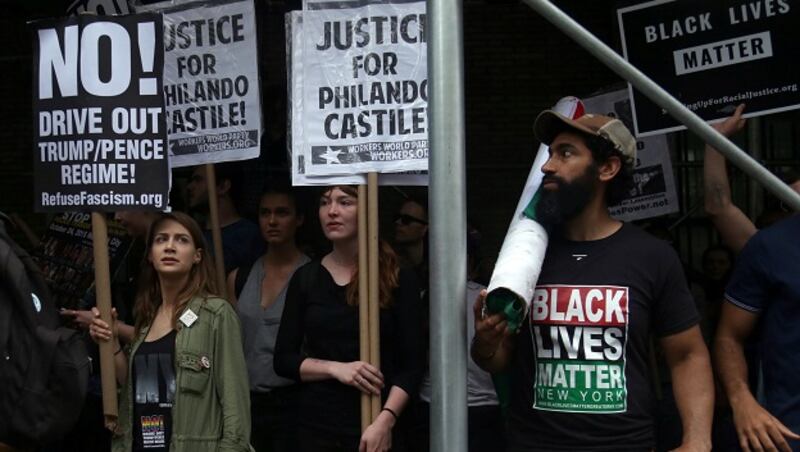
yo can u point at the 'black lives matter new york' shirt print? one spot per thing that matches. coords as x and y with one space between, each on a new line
579 334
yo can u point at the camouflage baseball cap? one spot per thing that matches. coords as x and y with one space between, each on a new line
549 124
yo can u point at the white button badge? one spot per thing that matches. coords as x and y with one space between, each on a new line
188 318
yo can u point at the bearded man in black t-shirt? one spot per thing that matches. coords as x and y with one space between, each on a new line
579 369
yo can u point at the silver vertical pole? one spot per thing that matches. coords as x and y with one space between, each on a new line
448 236
664 100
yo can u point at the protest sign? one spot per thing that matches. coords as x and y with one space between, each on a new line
653 192
99 131
294 53
65 255
211 83
99 7
365 89
409 178
712 56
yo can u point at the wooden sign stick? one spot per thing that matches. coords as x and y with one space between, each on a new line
363 296
216 232
102 278
374 284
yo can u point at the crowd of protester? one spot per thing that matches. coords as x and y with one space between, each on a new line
275 366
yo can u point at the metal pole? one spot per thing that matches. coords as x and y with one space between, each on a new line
754 144
448 235
664 100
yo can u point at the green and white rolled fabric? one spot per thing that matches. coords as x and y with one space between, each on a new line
522 254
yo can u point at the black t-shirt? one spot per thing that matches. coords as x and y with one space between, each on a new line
154 392
580 378
318 323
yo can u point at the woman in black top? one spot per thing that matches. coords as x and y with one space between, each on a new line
318 340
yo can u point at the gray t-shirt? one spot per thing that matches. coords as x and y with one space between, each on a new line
260 328
480 388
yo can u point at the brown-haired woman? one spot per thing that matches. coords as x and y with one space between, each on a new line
184 377
259 293
318 341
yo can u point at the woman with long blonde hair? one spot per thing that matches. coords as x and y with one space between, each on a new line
183 378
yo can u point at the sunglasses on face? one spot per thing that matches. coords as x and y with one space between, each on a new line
408 219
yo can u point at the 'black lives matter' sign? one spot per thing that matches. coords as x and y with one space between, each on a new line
99 129
712 56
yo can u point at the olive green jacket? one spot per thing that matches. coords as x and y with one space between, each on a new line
211 411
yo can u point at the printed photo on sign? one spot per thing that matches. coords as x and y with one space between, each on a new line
712 56
211 83
66 256
365 88
99 130
579 335
653 192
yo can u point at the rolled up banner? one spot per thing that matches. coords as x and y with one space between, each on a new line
522 254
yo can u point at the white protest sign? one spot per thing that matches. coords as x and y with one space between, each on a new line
654 191
365 89
211 84
294 52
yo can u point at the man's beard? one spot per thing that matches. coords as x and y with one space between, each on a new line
561 205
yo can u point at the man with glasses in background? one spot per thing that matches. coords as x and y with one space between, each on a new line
411 234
